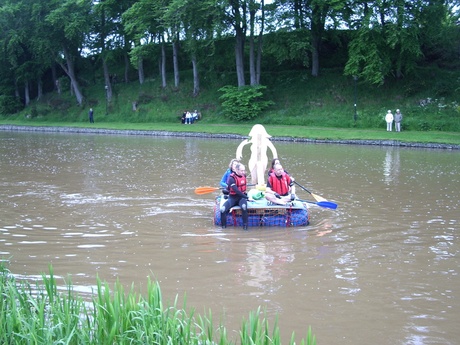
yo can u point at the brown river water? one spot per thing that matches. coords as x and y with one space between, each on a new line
383 268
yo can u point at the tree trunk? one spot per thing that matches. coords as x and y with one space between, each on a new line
298 15
17 94
70 71
57 87
163 66
196 77
126 58
317 28
26 94
252 59
259 60
108 81
39 88
175 64
239 11
239 58
314 56
140 70
259 44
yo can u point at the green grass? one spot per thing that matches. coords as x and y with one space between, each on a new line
304 107
319 133
41 315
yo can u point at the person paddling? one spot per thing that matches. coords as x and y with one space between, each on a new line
237 196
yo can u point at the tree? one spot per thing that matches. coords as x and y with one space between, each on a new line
103 33
236 16
390 37
315 16
14 40
119 38
24 38
239 14
141 22
197 20
69 21
172 23
255 59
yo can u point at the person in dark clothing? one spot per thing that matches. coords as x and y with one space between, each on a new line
91 115
398 119
237 195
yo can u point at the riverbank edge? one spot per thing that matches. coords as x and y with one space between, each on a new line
103 131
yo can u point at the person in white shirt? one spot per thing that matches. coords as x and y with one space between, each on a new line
389 120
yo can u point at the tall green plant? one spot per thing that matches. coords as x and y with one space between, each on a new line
44 315
243 103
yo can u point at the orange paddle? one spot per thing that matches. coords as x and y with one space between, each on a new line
206 190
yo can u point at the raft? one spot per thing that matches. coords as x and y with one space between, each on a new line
261 214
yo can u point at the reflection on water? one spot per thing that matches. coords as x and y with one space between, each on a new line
384 265
391 166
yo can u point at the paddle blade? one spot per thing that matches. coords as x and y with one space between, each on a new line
205 190
327 204
318 198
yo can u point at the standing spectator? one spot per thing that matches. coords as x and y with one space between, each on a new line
398 119
389 120
91 115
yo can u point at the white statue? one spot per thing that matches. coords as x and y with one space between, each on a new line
260 140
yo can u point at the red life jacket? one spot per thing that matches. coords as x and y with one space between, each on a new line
280 185
240 183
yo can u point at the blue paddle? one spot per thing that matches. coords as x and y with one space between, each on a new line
326 204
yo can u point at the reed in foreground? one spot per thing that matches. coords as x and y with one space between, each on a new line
41 315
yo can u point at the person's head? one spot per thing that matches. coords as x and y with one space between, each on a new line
278 169
233 163
275 161
397 110
389 111
240 169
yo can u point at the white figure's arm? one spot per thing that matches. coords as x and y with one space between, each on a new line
239 150
273 149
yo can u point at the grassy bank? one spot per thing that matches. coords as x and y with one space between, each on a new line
41 315
310 107
320 133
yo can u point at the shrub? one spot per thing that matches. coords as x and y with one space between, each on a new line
9 105
243 103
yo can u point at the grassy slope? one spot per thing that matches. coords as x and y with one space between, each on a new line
305 107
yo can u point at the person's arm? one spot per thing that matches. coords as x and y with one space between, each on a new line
292 187
223 181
